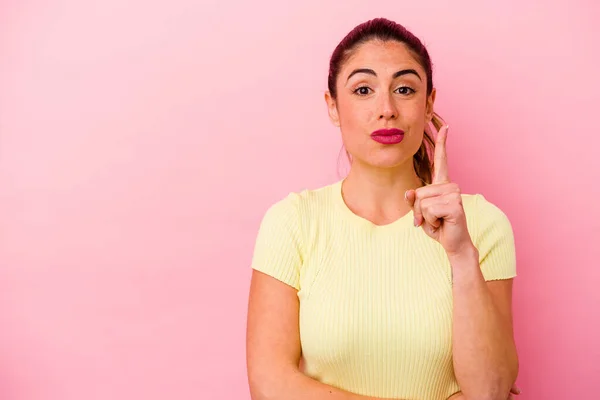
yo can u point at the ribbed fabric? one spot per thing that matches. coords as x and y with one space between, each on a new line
375 301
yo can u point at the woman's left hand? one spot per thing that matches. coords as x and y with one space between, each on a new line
514 390
438 207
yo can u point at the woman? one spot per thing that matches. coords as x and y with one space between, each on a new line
389 283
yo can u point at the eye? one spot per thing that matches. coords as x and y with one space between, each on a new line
403 90
362 90
406 90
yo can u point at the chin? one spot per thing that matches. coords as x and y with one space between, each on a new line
386 156
387 160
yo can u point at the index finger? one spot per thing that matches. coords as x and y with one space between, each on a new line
440 158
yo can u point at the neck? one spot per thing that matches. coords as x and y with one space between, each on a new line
378 193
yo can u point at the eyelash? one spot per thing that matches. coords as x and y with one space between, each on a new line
355 91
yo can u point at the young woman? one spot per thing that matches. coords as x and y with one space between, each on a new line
390 283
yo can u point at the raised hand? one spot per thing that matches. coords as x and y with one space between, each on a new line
438 207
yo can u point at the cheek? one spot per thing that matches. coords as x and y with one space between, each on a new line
357 114
368 115
416 113
416 138
417 117
356 122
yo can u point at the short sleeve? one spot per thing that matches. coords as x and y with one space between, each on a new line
494 240
278 247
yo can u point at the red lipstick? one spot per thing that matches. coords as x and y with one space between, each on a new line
388 136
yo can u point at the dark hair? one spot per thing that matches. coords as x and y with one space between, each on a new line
385 30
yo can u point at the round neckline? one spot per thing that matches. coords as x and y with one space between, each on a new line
405 220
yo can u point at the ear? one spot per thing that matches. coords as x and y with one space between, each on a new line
429 106
332 109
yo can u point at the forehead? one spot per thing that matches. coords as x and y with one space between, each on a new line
380 55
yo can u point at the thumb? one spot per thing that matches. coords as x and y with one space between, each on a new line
410 197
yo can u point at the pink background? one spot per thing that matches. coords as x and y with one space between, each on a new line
141 142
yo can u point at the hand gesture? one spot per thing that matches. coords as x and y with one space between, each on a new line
438 207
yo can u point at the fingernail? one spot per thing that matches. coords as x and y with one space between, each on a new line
406 196
416 222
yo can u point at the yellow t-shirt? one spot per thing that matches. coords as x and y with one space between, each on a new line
375 301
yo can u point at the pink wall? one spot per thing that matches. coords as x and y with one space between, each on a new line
141 141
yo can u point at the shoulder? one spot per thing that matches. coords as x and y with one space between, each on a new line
281 242
492 234
303 203
483 214
285 228
297 209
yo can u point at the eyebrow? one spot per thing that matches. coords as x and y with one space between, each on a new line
371 72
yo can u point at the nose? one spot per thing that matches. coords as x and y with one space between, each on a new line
388 108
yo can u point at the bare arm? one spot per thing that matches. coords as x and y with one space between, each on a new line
273 346
484 352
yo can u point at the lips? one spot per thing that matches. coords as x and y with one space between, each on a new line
388 136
